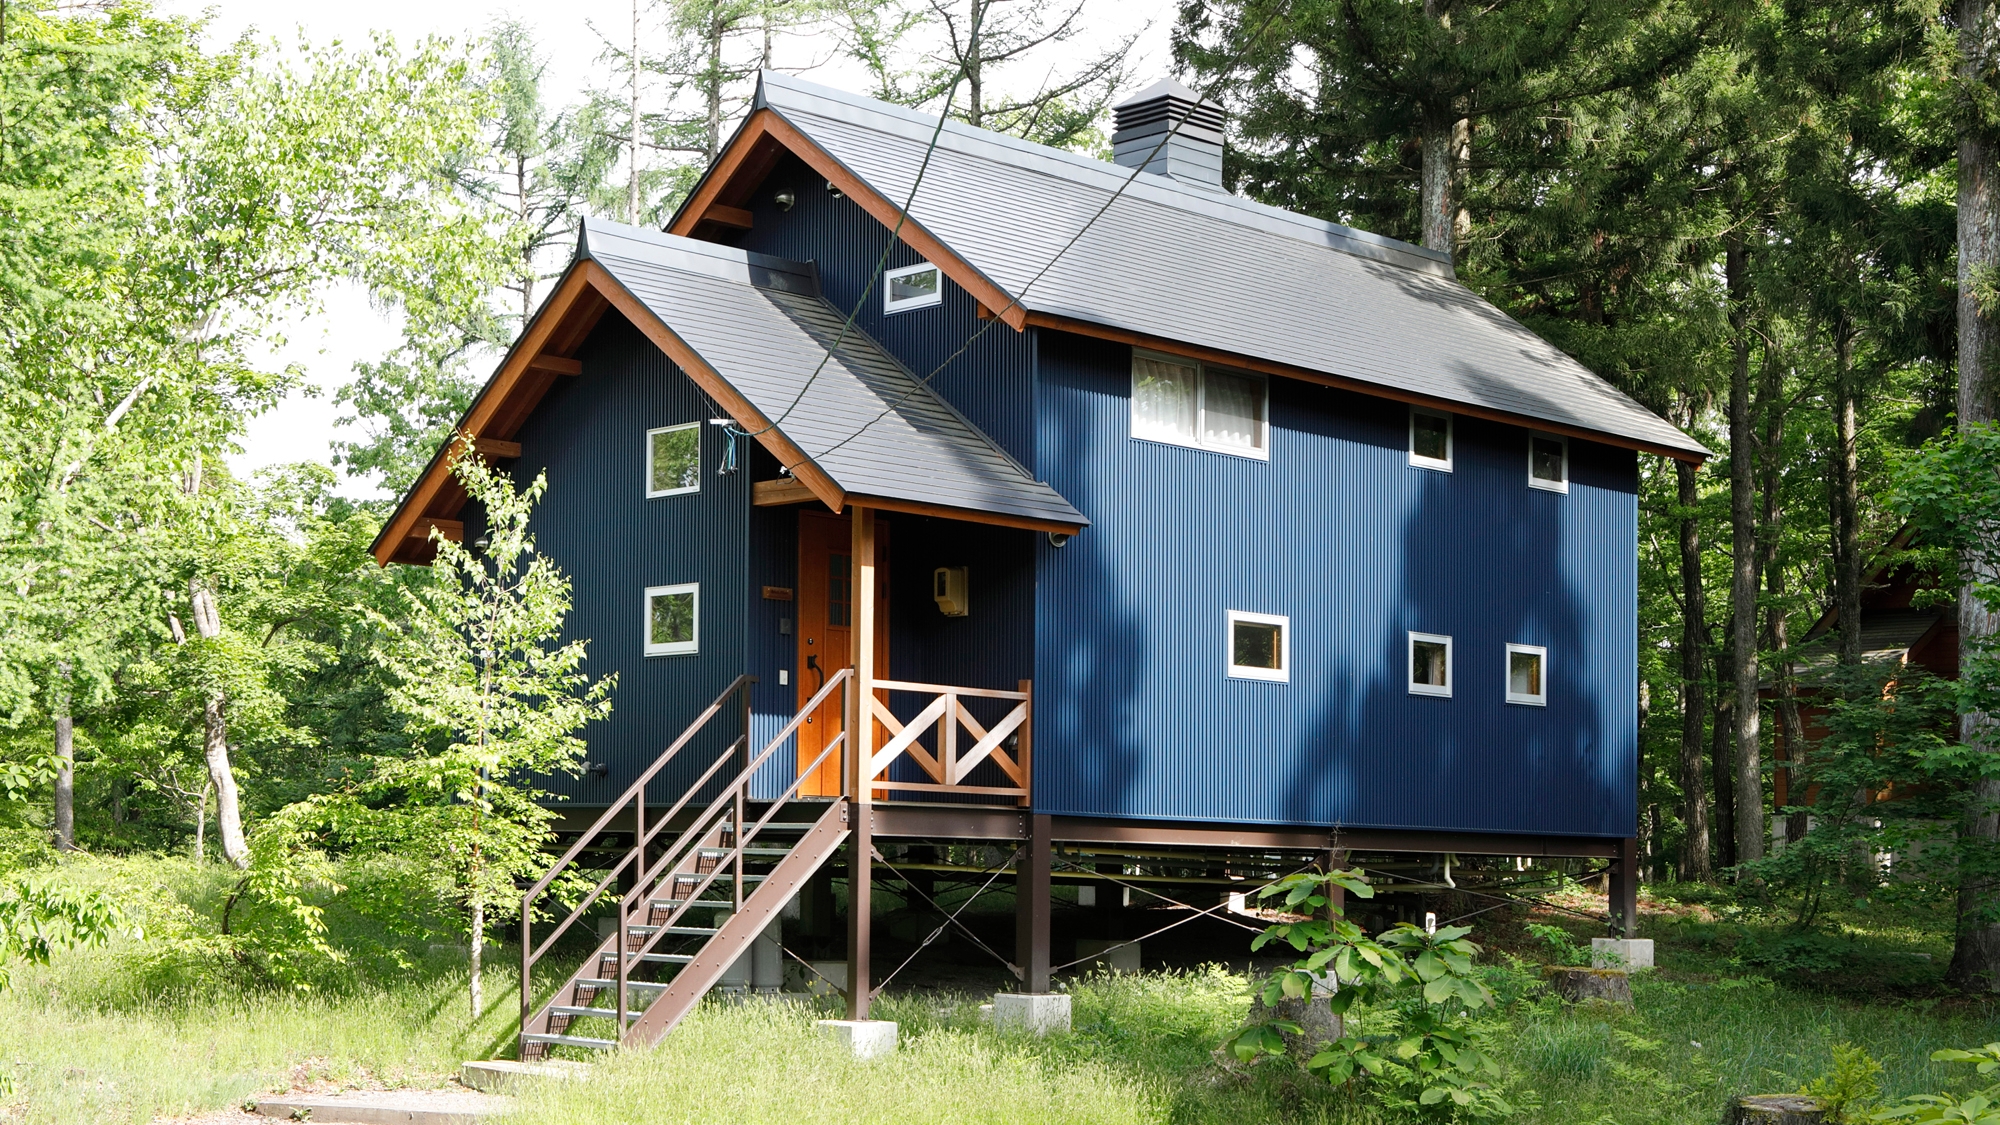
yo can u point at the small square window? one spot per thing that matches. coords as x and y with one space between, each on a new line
1548 463
673 619
1430 664
1527 675
912 287
673 460
1430 440
1260 646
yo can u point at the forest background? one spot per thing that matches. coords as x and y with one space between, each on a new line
1772 221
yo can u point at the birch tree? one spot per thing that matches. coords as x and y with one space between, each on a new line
493 698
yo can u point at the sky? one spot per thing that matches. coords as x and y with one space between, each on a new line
346 329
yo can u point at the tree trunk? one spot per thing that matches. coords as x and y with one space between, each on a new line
975 93
712 121
201 825
478 949
1846 495
632 180
1694 670
1748 772
1445 140
1722 750
1777 631
215 737
65 782
1975 960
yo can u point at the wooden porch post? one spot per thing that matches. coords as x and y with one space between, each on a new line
860 748
1031 904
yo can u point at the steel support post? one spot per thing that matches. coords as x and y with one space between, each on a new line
1624 897
1031 903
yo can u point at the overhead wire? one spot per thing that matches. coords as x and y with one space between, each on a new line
1014 300
881 263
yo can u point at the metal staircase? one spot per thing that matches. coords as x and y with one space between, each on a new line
702 885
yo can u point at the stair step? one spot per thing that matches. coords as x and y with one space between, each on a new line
606 982
718 853
590 1013
721 877
701 931
570 1041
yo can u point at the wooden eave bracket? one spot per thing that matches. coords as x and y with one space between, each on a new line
743 166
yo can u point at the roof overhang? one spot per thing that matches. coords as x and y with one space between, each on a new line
717 205
545 353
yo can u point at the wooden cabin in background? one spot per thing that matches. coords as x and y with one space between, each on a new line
1135 518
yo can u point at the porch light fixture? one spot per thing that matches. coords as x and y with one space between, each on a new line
784 200
834 191
1059 539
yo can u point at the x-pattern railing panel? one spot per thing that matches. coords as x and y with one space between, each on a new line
946 765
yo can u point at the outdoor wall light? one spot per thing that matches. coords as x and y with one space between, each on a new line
784 200
834 191
1058 539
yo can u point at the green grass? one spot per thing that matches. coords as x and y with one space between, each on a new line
162 1026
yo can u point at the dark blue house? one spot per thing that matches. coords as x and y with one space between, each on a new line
1138 514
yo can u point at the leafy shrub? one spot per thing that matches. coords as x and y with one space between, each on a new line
1981 1108
1563 949
1850 1086
1797 954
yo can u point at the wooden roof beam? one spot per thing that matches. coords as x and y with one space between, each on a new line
743 166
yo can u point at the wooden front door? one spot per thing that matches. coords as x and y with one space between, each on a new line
826 632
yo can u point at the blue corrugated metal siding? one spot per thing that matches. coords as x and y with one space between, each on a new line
1136 716
596 522
987 383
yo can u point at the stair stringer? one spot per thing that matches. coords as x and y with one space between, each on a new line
606 949
721 951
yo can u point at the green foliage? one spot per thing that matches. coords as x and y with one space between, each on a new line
1981 1108
1563 949
491 700
1429 1057
41 914
1850 1087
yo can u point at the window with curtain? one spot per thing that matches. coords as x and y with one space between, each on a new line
1187 403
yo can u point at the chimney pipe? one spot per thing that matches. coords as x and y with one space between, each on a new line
1192 154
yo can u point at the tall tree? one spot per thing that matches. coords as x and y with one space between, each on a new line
1343 106
493 697
917 52
1975 960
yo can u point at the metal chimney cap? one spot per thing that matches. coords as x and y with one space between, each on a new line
1164 88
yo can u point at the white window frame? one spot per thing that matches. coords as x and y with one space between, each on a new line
891 305
1537 482
696 486
1538 652
689 647
1263 450
1282 674
1450 440
1410 665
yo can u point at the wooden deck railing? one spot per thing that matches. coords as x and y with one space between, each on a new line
950 759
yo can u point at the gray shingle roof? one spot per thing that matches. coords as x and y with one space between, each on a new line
1191 264
762 325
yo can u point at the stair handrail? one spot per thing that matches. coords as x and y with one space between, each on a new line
637 849
635 791
695 828
645 876
705 820
741 683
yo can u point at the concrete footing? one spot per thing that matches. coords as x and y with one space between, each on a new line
1629 954
867 1039
506 1076
390 1107
1038 1013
